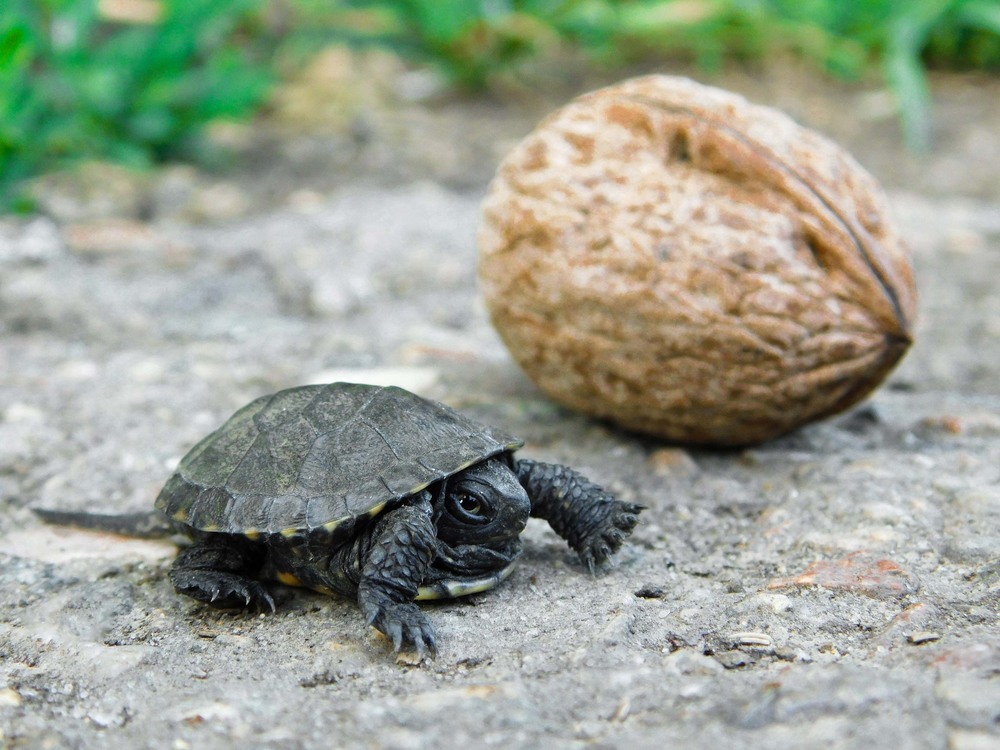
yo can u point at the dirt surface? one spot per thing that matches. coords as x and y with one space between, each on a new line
836 588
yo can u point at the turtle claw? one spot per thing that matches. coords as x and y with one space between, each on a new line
607 537
596 558
268 600
221 589
405 625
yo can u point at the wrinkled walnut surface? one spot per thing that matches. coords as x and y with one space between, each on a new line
666 255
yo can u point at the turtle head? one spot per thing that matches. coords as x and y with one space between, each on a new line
483 505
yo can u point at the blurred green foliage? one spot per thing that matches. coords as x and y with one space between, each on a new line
77 81
75 84
471 40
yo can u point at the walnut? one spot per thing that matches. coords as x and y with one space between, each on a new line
671 257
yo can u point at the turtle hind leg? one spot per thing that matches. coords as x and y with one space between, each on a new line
593 523
217 571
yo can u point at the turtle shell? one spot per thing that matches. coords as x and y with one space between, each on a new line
318 456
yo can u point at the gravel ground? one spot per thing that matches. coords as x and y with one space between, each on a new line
839 587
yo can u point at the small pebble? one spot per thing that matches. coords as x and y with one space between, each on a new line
924 636
786 654
36 240
967 739
733 659
753 640
673 462
650 591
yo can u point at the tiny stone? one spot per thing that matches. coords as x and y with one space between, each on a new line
103 721
976 424
21 413
924 636
222 201
215 711
36 240
756 640
968 739
673 462
306 201
946 424
733 659
650 591
785 653
408 658
778 603
319 679
78 369
913 619
964 241
146 371
692 689
685 661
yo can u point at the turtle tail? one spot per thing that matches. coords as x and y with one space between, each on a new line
143 525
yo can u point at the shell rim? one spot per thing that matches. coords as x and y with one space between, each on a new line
330 526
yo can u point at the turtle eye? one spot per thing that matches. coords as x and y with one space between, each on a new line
470 504
468 508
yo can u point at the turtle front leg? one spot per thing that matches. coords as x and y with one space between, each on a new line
402 547
582 513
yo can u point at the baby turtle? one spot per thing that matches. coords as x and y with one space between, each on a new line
373 493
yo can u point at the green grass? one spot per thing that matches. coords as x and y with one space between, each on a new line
75 84
473 40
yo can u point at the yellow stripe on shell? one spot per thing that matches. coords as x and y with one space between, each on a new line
331 525
375 510
289 579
